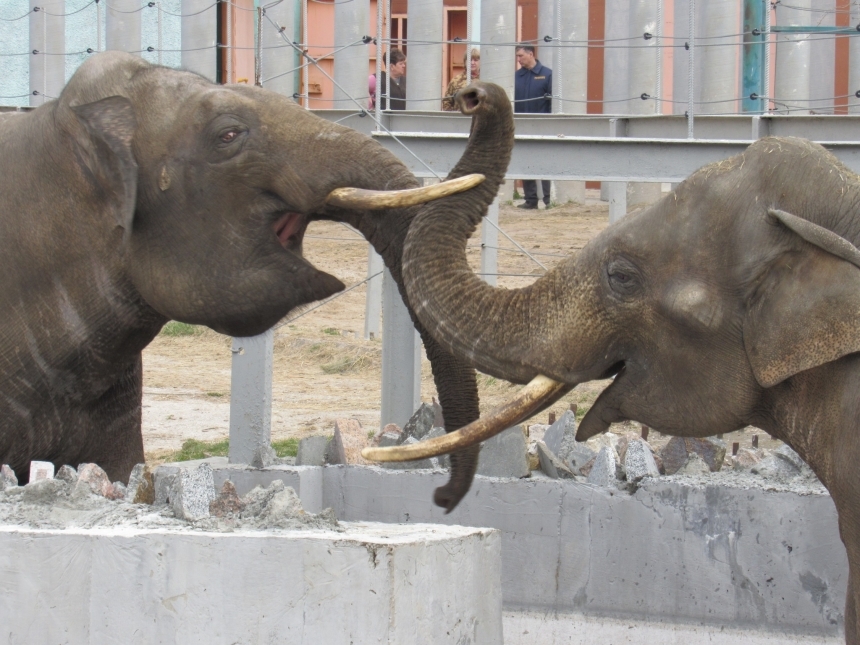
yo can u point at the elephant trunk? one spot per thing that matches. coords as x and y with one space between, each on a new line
496 330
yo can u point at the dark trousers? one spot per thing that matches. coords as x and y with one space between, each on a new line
530 190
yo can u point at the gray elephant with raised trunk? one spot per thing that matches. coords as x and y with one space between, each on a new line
733 301
145 194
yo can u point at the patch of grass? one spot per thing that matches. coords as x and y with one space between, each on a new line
331 331
486 381
194 449
286 447
344 364
517 194
215 394
176 328
580 412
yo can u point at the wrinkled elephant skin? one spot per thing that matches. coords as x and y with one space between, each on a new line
733 301
145 194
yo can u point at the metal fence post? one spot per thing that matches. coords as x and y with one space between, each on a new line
373 300
490 244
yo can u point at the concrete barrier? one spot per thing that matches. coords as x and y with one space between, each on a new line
371 583
730 558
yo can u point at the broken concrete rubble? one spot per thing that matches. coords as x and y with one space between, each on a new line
505 455
675 453
605 470
347 442
421 422
552 465
7 477
639 461
41 470
192 492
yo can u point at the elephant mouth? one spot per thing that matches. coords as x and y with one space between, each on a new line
289 228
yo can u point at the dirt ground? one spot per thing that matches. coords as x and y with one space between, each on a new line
323 367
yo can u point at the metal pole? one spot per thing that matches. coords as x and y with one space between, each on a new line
754 45
498 30
469 45
98 27
47 37
793 59
425 18
718 63
280 56
160 32
258 53
658 44
380 52
490 244
691 71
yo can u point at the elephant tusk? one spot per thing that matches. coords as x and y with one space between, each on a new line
379 199
521 407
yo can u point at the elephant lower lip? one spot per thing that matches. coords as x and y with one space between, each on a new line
289 228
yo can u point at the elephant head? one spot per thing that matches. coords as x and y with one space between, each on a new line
145 194
732 301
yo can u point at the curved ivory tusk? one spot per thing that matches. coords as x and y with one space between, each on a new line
379 199
521 407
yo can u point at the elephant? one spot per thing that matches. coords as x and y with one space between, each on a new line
144 194
732 301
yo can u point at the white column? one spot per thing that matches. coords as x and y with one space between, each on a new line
718 63
251 396
401 358
854 64
122 25
498 30
793 59
199 37
47 39
278 58
373 300
351 24
642 56
424 61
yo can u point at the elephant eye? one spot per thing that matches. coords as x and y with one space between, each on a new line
230 135
622 278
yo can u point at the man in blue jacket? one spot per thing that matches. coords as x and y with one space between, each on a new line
532 95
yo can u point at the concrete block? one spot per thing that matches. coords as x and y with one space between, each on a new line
41 470
192 492
312 451
552 465
604 472
369 584
639 461
264 456
7 477
44 491
774 467
347 443
421 422
694 465
67 474
561 434
388 438
787 453
747 457
641 193
432 462
92 477
443 461
141 489
676 452
505 455
227 502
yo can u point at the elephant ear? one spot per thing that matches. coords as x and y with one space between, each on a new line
108 156
806 309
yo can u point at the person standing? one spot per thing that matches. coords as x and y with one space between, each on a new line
532 95
459 81
397 74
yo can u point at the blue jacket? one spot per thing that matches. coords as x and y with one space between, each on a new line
533 83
